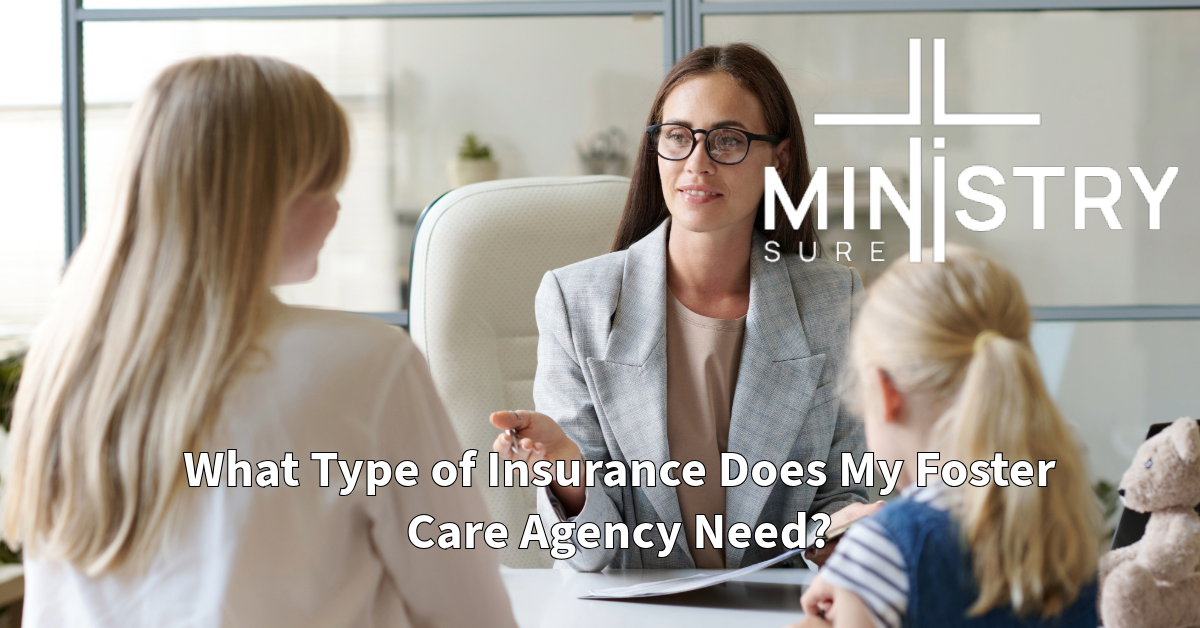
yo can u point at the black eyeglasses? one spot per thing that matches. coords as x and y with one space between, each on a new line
675 142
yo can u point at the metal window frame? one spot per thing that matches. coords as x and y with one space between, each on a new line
683 31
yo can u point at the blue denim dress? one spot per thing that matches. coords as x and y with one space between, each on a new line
941 583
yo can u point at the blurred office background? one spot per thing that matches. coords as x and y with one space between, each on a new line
1114 88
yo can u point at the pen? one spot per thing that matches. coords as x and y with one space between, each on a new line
512 433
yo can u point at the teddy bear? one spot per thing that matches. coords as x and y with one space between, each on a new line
1155 582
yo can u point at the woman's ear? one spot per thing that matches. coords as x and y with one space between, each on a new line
893 399
782 155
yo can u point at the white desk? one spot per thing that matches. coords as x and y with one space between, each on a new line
549 598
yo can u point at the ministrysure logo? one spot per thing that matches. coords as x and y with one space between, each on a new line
910 212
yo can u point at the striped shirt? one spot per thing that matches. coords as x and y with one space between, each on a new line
867 563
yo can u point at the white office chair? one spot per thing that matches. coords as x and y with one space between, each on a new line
479 254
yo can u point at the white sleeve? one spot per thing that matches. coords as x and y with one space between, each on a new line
434 582
867 563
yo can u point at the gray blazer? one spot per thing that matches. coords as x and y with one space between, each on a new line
602 375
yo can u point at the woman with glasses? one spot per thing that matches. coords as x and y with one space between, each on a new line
686 342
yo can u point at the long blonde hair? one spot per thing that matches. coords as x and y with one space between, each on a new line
1032 548
161 307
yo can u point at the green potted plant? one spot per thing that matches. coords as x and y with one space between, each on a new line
604 153
10 373
474 163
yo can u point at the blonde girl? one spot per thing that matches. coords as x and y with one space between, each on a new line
941 362
166 339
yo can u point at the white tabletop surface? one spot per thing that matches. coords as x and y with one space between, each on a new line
549 598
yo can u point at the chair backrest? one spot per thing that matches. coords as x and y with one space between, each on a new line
479 254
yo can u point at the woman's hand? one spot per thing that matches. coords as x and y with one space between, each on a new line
539 438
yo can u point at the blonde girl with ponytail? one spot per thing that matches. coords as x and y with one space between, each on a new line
167 344
941 362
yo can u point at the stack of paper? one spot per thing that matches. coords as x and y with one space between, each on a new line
683 585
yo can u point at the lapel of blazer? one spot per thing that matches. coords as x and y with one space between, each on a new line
775 385
631 380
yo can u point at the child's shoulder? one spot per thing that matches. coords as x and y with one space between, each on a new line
923 530
916 507
918 523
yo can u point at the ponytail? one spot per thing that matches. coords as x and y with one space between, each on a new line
1032 547
959 331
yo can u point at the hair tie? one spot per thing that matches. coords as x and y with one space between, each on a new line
983 338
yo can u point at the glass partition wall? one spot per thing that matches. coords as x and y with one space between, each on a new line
1114 89
1118 310
412 89
31 168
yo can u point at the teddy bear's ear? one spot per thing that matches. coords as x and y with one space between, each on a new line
1185 436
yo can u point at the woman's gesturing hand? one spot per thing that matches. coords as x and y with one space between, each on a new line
539 438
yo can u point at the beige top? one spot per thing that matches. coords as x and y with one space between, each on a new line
306 555
703 356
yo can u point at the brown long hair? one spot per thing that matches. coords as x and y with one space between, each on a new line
645 207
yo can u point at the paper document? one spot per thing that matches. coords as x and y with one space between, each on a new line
682 585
